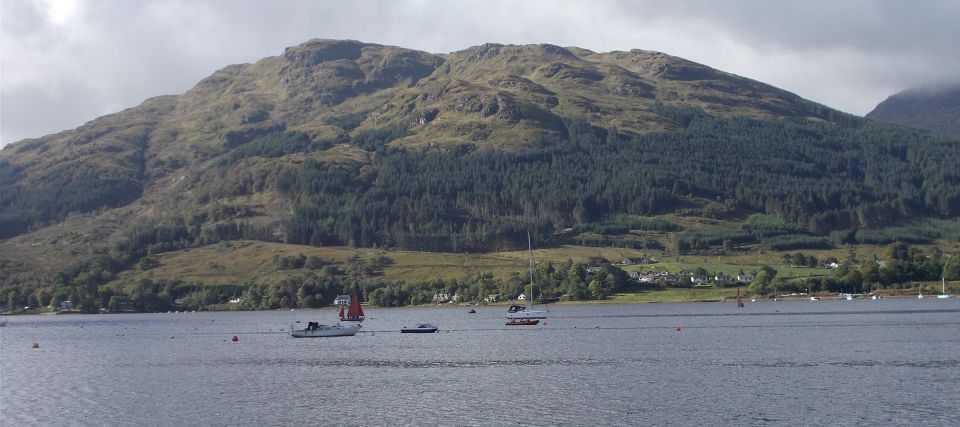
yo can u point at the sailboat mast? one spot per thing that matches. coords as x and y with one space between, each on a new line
530 255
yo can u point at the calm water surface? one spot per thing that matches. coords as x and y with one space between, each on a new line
889 362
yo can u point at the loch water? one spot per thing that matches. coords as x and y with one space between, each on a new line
860 362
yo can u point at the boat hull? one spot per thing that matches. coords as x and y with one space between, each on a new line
523 322
418 330
326 331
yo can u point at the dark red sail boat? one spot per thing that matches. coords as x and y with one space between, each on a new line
354 312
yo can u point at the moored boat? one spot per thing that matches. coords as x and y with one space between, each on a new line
524 312
522 322
316 330
423 328
354 312
521 311
943 289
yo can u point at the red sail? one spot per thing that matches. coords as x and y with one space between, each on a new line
355 310
341 312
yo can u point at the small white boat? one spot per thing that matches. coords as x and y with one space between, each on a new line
943 289
524 312
316 330
814 298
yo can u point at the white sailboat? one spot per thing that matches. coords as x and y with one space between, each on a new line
519 312
316 330
943 289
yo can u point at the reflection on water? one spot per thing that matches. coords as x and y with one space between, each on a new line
832 362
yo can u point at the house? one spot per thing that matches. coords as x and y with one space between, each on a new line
592 270
631 261
342 300
832 265
745 278
647 278
491 298
698 279
633 275
721 278
522 297
441 297
66 304
236 300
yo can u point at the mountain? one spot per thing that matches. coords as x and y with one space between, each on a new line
936 109
489 97
347 144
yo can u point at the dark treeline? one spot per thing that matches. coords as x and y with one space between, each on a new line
62 191
314 282
899 267
816 178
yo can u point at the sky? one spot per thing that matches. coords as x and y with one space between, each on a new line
65 62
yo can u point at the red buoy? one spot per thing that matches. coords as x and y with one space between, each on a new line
678 328
235 339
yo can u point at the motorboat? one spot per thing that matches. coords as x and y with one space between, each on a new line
423 328
316 330
522 322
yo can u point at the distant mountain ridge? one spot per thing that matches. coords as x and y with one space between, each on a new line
936 109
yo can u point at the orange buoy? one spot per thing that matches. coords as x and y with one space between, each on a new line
235 338
36 345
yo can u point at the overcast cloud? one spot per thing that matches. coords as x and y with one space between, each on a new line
64 62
